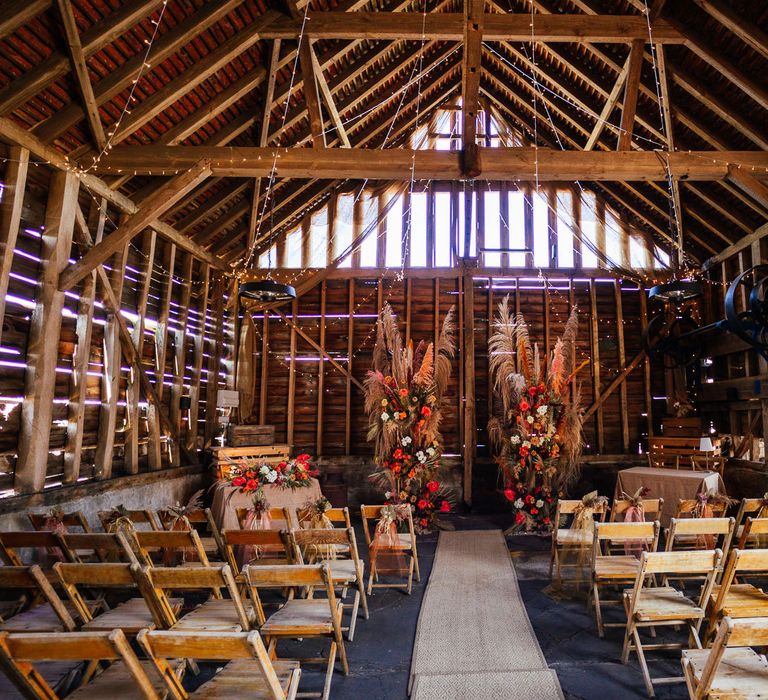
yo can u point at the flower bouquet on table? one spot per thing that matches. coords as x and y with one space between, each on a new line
293 474
536 432
403 396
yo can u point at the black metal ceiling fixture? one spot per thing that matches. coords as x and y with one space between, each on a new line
267 291
676 292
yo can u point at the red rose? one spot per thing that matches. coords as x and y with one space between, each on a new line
542 387
529 499
426 411
519 518
398 453
303 458
238 481
509 494
251 485
423 522
445 507
524 406
422 504
432 486
534 511
532 391
546 520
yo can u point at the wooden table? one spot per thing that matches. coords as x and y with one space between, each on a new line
227 499
669 484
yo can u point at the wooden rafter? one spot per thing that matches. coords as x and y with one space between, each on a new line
749 184
631 91
609 106
325 91
751 35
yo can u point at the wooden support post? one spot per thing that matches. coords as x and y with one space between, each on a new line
576 213
132 391
78 383
292 370
545 301
647 389
595 349
197 363
110 381
623 401
321 373
758 259
470 418
631 91
180 356
15 182
350 348
381 234
214 361
470 84
43 345
263 382
154 446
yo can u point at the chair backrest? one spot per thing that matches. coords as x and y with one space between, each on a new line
687 506
20 651
749 506
281 515
156 581
369 513
32 579
75 519
74 577
289 576
742 632
752 528
570 506
105 546
170 541
704 563
137 517
701 528
272 542
335 515
619 533
316 542
162 647
739 563
44 542
652 508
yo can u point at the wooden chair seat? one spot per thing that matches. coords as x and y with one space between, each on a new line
664 603
742 673
118 682
742 600
130 616
41 618
618 567
344 569
212 616
299 617
241 678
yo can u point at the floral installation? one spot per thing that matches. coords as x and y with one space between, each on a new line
536 432
293 474
403 396
178 514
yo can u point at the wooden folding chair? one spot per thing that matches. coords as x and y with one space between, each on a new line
142 517
610 569
736 600
565 539
752 507
125 678
300 619
652 508
687 506
75 519
699 533
210 535
215 614
751 534
659 606
47 547
249 671
102 547
170 546
335 515
407 542
39 607
130 616
309 546
272 547
730 669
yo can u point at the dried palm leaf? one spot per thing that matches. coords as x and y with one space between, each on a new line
425 375
446 350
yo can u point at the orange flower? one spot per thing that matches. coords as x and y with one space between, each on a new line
403 392
524 406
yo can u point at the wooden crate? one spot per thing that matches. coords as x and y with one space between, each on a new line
224 458
249 435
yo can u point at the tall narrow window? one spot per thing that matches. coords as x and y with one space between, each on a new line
517 228
442 229
417 238
638 253
492 225
614 233
565 240
540 229
589 230
370 226
293 248
661 259
394 257
462 226
342 227
318 238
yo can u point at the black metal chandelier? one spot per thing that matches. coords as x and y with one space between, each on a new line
267 291
676 292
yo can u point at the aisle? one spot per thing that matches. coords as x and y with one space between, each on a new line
474 638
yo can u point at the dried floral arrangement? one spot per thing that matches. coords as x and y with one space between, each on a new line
403 396
536 430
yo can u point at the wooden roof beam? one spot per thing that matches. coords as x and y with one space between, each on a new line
470 84
449 26
749 185
151 208
736 248
325 91
80 69
750 34
208 208
609 106
16 13
631 87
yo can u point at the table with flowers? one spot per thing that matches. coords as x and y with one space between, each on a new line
292 484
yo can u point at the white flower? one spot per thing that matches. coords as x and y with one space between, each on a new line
388 494
519 503
515 439
385 416
527 443
271 476
530 419
541 410
421 456
264 470
539 503
431 451
407 440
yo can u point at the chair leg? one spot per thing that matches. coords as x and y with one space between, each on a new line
329 671
643 664
626 648
353 619
410 576
416 562
598 611
370 577
363 597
